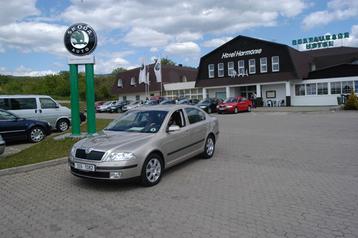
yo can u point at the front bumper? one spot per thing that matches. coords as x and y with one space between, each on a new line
225 109
106 170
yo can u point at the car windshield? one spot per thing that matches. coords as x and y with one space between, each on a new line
139 121
231 99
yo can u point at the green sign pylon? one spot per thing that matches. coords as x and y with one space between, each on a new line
90 99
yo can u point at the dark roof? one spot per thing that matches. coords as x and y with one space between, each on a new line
170 74
343 70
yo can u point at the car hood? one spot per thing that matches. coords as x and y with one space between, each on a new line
115 140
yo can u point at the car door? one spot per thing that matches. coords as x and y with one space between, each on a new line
197 127
242 104
175 144
11 127
49 111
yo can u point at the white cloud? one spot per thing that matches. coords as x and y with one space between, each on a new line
336 10
216 42
146 37
353 37
188 36
106 62
15 10
24 71
183 48
181 18
33 37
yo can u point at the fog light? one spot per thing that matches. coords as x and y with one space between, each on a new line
115 175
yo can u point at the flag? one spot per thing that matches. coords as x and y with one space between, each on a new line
158 70
142 73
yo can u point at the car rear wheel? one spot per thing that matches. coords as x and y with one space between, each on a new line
62 125
236 110
209 110
209 147
152 170
36 134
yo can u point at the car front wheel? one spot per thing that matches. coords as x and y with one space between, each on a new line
209 147
36 134
152 170
236 110
62 125
249 108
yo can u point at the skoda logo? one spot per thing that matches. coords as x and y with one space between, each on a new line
80 39
88 150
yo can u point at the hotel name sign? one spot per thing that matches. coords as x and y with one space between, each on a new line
238 53
320 41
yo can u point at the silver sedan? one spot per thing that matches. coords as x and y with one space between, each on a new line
145 141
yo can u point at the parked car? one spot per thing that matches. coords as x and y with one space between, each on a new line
145 141
209 104
167 101
188 101
131 106
38 107
105 106
13 128
151 102
2 145
98 104
118 106
235 105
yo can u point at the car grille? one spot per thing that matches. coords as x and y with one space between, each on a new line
93 155
90 173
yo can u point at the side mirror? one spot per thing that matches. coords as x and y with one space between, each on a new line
173 128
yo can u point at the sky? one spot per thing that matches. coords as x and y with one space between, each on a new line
31 31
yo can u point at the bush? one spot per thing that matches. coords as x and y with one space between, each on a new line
352 102
258 102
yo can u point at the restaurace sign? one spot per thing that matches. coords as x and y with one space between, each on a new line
80 39
320 41
238 53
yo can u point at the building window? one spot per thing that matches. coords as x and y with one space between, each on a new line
230 68
124 98
221 70
347 86
311 89
263 65
183 79
252 66
133 82
241 67
322 88
275 63
300 90
356 86
137 97
211 71
336 88
120 83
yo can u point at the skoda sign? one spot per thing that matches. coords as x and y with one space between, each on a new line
80 39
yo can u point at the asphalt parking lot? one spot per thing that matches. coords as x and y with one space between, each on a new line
274 174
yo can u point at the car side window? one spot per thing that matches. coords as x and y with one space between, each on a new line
47 103
6 116
4 103
22 103
194 115
177 118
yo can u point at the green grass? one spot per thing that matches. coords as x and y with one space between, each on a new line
68 104
48 149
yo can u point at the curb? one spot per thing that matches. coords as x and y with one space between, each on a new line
31 167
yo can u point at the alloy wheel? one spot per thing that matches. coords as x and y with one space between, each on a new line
153 170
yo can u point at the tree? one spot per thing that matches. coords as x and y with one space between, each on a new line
167 61
118 70
352 102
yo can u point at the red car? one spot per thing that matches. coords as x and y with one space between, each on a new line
235 105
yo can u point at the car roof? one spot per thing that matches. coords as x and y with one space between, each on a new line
165 107
23 96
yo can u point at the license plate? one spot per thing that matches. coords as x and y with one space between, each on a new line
85 167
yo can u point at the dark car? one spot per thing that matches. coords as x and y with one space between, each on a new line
14 128
188 101
209 104
118 106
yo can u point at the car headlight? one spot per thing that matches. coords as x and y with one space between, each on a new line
73 151
229 106
119 156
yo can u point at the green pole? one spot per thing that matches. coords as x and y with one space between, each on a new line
91 113
75 105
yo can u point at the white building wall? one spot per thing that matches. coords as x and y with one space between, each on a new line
318 100
212 92
279 88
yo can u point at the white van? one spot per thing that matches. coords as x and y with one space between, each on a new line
38 107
